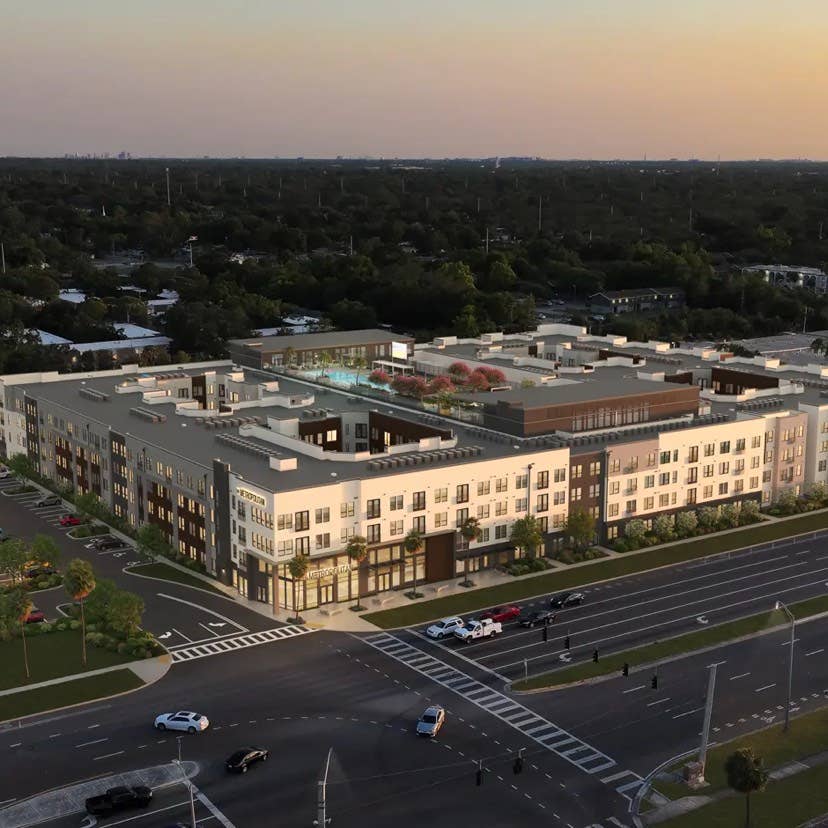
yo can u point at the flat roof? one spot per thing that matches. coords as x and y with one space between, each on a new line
325 339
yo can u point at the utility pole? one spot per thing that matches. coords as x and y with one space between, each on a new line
487 245
321 795
784 608
540 213
805 318
708 715
3 257
189 785
350 245
167 172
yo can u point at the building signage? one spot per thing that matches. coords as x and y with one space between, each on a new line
251 496
329 570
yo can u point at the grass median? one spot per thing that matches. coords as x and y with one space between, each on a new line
66 693
680 645
164 572
476 599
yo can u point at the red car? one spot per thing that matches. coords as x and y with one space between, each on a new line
501 614
36 616
70 520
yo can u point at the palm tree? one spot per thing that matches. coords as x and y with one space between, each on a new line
22 604
413 543
325 362
526 534
470 531
745 774
288 356
45 551
79 581
357 550
360 365
298 568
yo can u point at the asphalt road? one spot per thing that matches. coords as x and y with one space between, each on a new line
299 697
647 607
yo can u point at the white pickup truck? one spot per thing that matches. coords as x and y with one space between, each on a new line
478 629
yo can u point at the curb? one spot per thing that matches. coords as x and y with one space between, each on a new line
167 660
677 657
128 571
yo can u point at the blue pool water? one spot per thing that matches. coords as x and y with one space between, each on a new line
343 377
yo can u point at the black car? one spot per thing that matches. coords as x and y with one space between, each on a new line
242 759
108 543
566 599
115 800
530 618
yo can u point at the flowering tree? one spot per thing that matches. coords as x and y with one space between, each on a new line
494 376
441 384
379 377
477 381
459 371
409 386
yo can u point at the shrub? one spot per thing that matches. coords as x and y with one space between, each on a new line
622 546
122 648
74 625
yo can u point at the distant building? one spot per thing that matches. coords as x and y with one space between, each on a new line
637 300
809 278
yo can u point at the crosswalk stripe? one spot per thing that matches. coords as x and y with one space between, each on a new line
238 642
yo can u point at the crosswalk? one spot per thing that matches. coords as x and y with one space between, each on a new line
547 734
237 642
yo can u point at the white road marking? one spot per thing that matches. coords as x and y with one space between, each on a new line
766 687
239 627
6 801
186 638
658 701
741 675
212 809
94 742
107 755
816 652
633 689
212 632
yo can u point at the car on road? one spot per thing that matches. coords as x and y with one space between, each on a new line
501 614
529 618
35 616
48 500
70 520
445 627
242 759
566 599
119 799
40 571
183 720
431 721
485 628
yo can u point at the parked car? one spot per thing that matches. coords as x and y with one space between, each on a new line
119 799
566 599
431 721
486 628
242 759
40 571
183 720
531 617
107 542
35 616
445 627
502 614
5 472
70 520
48 500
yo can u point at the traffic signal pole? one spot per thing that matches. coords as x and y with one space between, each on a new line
708 715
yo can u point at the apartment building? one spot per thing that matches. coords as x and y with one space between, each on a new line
244 469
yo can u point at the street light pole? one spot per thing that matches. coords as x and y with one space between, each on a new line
321 795
708 715
781 606
188 784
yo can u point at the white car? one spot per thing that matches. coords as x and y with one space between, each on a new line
445 627
5 472
485 628
183 720
431 721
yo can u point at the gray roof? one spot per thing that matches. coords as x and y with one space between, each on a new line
326 339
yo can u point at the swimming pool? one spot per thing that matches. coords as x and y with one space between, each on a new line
343 377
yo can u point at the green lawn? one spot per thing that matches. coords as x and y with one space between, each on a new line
67 692
170 573
51 655
784 804
651 653
475 599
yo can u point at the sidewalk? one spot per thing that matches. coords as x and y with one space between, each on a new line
63 802
695 800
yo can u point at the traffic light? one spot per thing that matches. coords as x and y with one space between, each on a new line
654 682
566 643
625 670
595 656
518 766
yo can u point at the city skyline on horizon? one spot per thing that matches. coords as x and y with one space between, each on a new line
474 80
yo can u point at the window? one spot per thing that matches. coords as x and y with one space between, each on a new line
649 481
559 498
441 495
522 481
502 507
724 447
440 520
649 502
484 487
543 502
723 488
664 479
522 504
595 490
419 502
303 545
560 475
613 510
632 485
323 515
707 492
709 470
502 484
756 441
374 533
595 468
693 475
739 466
483 511
693 456
740 444
664 457
462 493
575 493
754 481
501 531
323 541
823 465
739 486
766 476
651 458
614 487
576 470
346 510
284 547
484 536
691 495
615 466
301 521
373 509
396 527
419 524
724 468
395 503
754 462
461 516
631 506
709 449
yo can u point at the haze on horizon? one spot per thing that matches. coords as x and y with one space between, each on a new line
472 78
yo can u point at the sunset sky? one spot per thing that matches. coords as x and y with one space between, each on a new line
554 78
